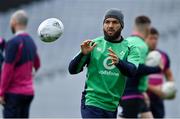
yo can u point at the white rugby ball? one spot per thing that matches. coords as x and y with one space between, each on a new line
153 58
168 88
50 30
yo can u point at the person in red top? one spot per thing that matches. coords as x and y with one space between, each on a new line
16 85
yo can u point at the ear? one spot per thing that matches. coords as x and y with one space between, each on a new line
13 22
121 28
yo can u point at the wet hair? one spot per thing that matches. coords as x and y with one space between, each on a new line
154 31
142 20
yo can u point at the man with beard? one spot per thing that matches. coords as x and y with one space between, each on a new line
16 85
108 59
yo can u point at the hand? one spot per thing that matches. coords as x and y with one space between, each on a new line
2 100
86 47
114 57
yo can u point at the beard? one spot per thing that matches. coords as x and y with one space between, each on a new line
13 30
113 37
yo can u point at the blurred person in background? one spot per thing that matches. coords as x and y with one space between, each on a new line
108 59
2 46
133 103
16 85
156 80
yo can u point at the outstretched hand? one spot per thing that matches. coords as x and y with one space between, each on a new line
86 47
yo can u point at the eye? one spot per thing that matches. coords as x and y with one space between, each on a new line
107 22
115 22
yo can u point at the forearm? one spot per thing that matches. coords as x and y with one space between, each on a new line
146 70
156 90
127 68
169 75
77 64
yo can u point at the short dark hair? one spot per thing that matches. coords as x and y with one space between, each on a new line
154 31
140 20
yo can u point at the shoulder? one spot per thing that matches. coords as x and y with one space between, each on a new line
131 41
13 41
134 41
132 38
99 39
163 54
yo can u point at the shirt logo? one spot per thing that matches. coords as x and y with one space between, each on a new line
122 53
99 49
106 63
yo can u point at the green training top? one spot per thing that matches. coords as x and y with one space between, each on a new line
105 84
143 48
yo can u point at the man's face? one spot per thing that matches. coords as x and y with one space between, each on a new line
112 28
152 41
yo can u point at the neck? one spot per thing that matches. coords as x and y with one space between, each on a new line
20 32
140 34
140 31
118 39
20 29
151 49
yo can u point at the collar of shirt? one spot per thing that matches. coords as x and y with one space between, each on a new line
20 32
137 34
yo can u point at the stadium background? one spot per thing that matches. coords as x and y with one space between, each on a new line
58 93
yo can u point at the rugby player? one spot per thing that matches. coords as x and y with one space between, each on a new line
108 59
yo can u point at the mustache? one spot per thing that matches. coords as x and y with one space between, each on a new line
114 37
110 29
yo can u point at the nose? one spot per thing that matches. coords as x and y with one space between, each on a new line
110 24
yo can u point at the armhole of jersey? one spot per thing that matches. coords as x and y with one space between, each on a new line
167 61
